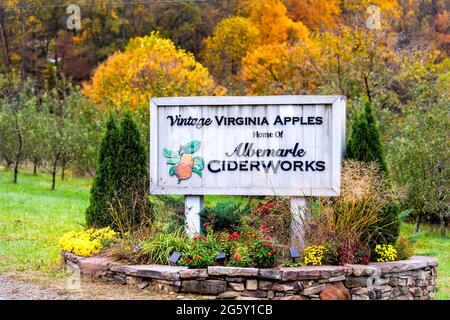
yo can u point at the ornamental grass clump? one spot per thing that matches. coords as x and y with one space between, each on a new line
352 222
87 242
158 249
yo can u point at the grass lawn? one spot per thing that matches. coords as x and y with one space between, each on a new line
33 218
430 243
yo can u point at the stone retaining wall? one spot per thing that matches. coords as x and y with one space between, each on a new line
413 279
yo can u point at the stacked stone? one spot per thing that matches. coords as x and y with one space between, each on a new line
399 280
413 279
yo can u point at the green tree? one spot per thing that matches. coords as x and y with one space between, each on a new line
131 179
120 188
365 142
17 98
420 162
103 186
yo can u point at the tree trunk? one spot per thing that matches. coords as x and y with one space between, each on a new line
16 171
55 166
63 164
19 149
3 38
416 226
443 231
35 166
53 177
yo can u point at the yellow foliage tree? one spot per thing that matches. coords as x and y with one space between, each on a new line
149 67
279 69
224 50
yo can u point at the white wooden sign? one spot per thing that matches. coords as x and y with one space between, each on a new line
273 145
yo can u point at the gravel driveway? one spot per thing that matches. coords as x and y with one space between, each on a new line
13 289
32 286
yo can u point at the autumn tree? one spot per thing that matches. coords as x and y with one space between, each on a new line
273 23
315 14
224 50
279 64
149 67
279 69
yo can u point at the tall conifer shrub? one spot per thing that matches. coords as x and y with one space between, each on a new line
132 174
365 145
119 191
365 142
102 190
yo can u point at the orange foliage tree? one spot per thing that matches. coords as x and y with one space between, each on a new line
273 23
315 14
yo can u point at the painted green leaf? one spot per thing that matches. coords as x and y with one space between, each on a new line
172 170
170 154
173 161
191 147
199 162
197 171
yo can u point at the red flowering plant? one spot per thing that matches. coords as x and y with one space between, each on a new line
249 247
203 250
239 257
265 251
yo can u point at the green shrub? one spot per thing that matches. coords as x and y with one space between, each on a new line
365 142
387 229
225 214
103 185
404 247
167 213
131 176
331 256
365 145
119 192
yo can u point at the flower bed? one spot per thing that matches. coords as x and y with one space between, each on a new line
412 279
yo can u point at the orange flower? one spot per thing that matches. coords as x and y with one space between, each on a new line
236 256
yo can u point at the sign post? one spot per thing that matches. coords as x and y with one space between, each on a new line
193 205
300 209
274 145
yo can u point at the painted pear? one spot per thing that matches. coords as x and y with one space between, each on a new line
184 167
